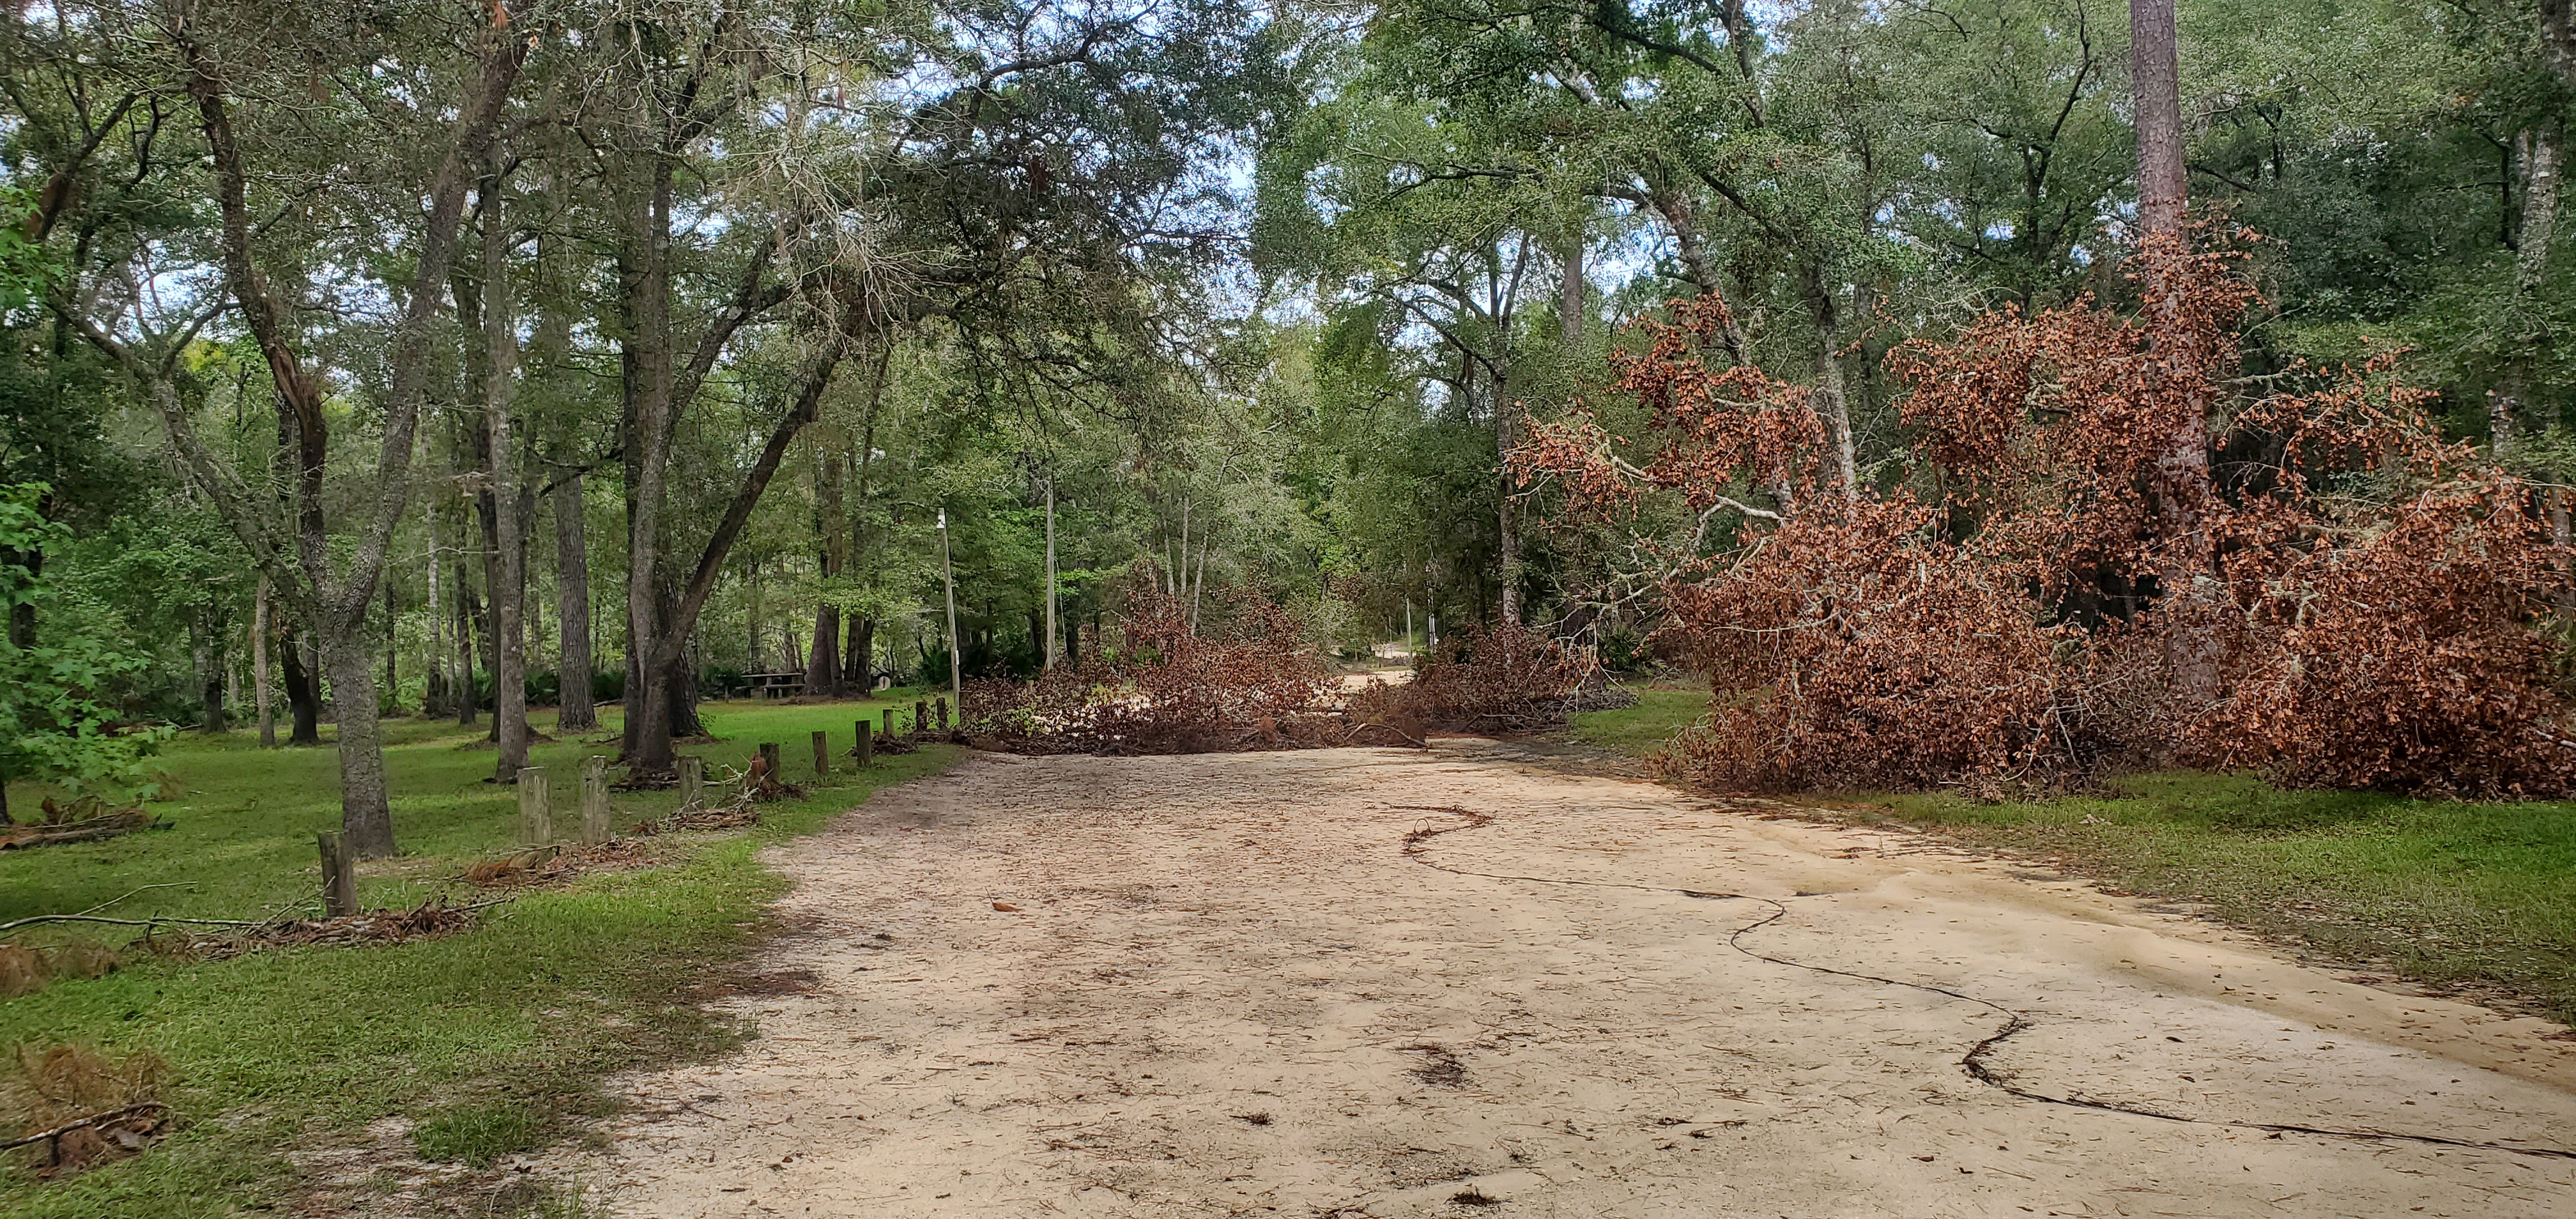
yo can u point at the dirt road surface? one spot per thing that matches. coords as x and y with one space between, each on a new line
1389 983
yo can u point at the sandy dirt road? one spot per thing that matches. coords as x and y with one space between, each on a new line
1389 983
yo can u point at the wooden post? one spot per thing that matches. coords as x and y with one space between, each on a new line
769 758
920 715
886 729
822 754
866 747
339 877
536 823
943 713
594 801
693 776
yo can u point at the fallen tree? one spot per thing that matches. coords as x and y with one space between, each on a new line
2045 589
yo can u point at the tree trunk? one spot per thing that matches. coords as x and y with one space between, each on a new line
366 817
2535 233
393 676
2155 82
1509 543
1832 400
2183 469
465 632
1198 587
210 676
334 594
303 690
572 607
259 665
862 653
1678 215
823 660
509 569
1569 301
1051 633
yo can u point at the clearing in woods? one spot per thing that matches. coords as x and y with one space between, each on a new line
1390 983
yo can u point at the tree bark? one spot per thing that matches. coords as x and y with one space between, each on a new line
1569 300
393 675
259 665
862 653
572 608
2155 83
366 816
509 585
1833 402
2183 468
210 672
466 697
1051 633
858 657
303 690
1509 545
823 660
2535 233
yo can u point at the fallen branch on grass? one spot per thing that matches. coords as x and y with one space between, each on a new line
109 1118
122 821
13 925
369 927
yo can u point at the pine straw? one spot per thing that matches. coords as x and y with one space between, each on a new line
24 971
70 1107
557 865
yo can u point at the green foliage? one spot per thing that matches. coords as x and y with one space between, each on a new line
54 725
24 268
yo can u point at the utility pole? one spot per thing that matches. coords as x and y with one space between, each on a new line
1051 628
948 572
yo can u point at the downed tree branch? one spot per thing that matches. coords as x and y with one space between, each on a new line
96 1119
125 821
154 921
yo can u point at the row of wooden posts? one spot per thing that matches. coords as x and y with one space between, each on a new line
536 817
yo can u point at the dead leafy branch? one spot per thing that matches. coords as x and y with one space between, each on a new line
1257 682
2351 601
86 819
1251 683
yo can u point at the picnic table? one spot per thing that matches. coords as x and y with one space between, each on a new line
776 685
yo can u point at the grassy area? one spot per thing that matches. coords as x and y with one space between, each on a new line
1661 711
493 1040
2450 894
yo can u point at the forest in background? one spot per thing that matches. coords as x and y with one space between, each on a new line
436 348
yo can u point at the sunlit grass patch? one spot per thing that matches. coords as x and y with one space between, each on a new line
492 1041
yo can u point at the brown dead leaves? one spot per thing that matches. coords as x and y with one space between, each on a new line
69 1107
2377 603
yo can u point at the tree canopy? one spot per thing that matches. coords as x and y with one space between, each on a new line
444 356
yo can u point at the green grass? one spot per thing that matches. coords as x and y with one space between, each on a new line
1661 711
493 1040
2449 894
